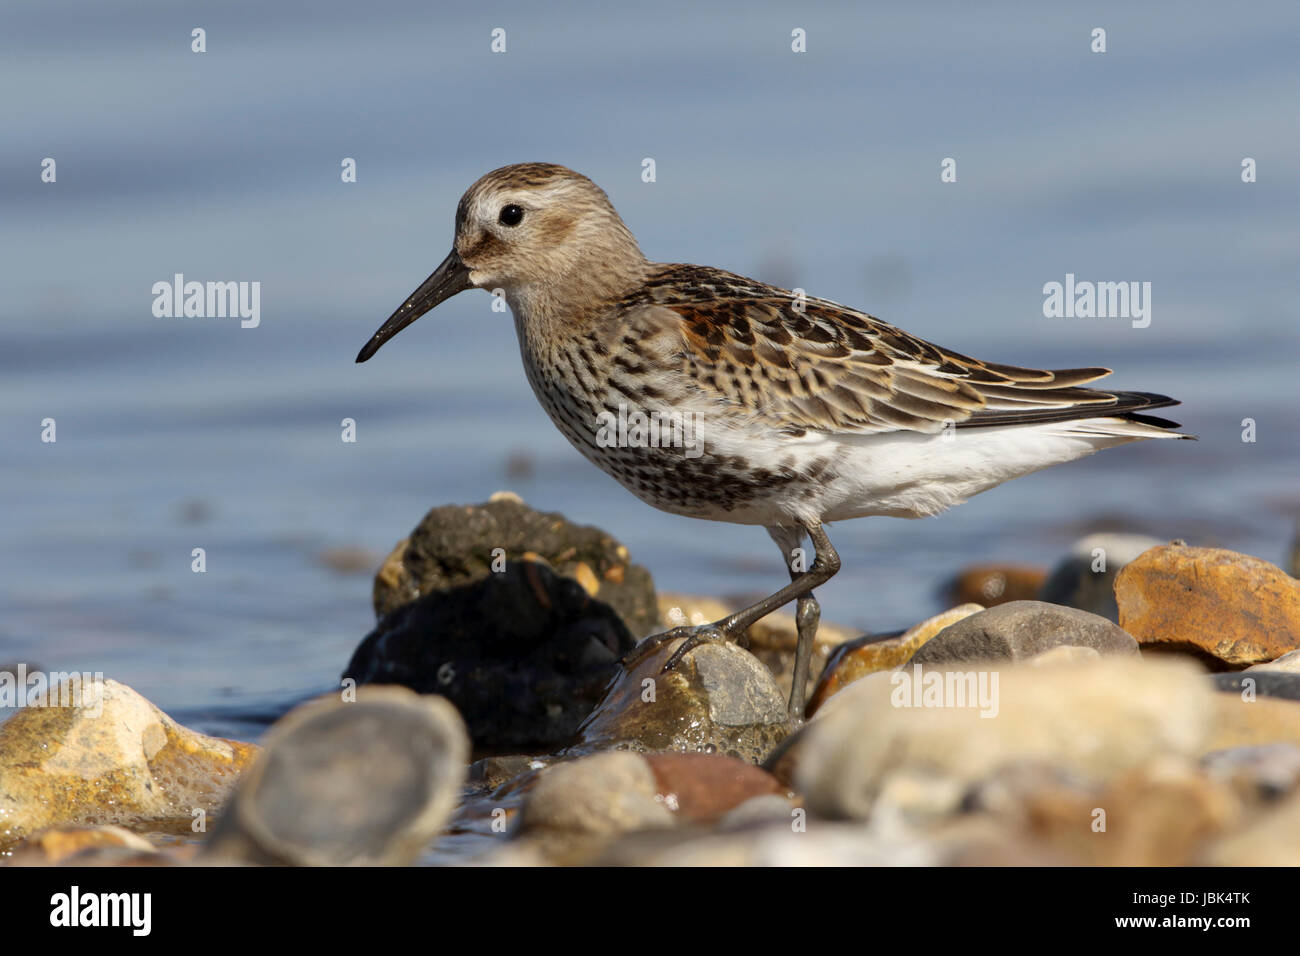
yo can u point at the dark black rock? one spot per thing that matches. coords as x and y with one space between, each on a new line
524 655
517 616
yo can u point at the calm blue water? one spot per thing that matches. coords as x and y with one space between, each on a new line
818 170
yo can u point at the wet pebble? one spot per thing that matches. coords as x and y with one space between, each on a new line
772 639
719 699
365 782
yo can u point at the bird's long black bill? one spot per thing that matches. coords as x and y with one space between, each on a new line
448 279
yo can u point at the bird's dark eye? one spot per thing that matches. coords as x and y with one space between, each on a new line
511 215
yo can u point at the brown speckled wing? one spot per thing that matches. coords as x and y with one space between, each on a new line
830 368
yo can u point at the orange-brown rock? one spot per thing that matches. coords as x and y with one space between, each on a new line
113 759
1236 608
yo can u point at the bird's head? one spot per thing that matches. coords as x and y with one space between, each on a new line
532 231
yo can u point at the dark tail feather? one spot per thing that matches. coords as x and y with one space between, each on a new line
1126 405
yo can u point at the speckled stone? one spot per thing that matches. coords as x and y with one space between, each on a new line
453 547
58 844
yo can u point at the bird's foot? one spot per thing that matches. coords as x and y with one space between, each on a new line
691 636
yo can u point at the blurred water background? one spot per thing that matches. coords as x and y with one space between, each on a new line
818 170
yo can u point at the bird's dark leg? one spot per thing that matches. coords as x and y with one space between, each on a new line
807 615
800 588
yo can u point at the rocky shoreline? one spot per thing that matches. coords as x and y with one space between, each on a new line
1139 704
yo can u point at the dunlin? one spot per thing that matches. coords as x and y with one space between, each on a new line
801 411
